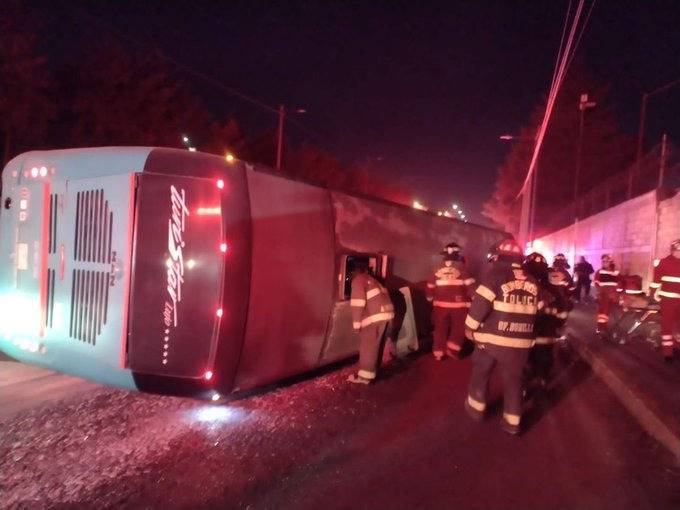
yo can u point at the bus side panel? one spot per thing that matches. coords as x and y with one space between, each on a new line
292 281
412 239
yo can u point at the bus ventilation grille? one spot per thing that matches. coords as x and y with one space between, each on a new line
52 241
89 304
49 318
93 227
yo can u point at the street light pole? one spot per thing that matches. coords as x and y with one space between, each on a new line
641 129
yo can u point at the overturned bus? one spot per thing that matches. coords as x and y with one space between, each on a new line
154 268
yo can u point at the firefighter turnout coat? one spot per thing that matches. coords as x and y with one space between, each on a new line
502 319
370 302
504 308
667 285
372 309
451 287
608 284
449 291
552 315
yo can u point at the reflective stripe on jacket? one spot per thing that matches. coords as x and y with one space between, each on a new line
667 278
451 287
370 301
504 308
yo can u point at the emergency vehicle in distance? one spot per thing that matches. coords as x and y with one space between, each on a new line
150 268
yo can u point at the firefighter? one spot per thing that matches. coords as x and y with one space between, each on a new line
608 286
372 310
560 262
501 322
568 286
549 322
449 291
667 289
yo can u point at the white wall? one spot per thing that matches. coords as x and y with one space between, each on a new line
627 232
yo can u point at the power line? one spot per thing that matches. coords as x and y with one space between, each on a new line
552 96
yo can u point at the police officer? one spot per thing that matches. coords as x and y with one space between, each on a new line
501 322
583 270
449 291
607 283
372 310
667 289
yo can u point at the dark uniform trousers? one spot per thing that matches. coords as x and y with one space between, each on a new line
541 360
449 328
670 319
370 344
583 288
511 361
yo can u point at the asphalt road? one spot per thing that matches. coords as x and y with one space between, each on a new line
24 387
402 443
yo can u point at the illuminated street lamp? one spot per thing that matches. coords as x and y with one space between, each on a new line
187 142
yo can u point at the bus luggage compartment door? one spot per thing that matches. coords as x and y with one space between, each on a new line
175 309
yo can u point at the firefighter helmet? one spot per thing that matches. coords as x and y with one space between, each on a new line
507 250
451 248
452 257
536 265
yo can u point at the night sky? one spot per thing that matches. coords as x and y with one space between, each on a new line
423 89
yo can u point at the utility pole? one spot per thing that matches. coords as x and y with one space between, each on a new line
279 146
641 129
657 209
662 161
583 105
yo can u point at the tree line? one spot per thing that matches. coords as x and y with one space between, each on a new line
115 95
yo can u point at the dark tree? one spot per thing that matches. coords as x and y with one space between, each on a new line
25 107
126 98
605 152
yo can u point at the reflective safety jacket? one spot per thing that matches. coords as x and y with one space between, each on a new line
552 315
370 301
451 287
504 308
667 278
607 279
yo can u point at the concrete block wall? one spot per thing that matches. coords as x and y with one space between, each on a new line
630 232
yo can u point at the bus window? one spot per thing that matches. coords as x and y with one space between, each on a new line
377 266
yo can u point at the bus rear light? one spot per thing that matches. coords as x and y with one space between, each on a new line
208 375
34 171
223 247
219 312
43 171
209 211
23 204
220 183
